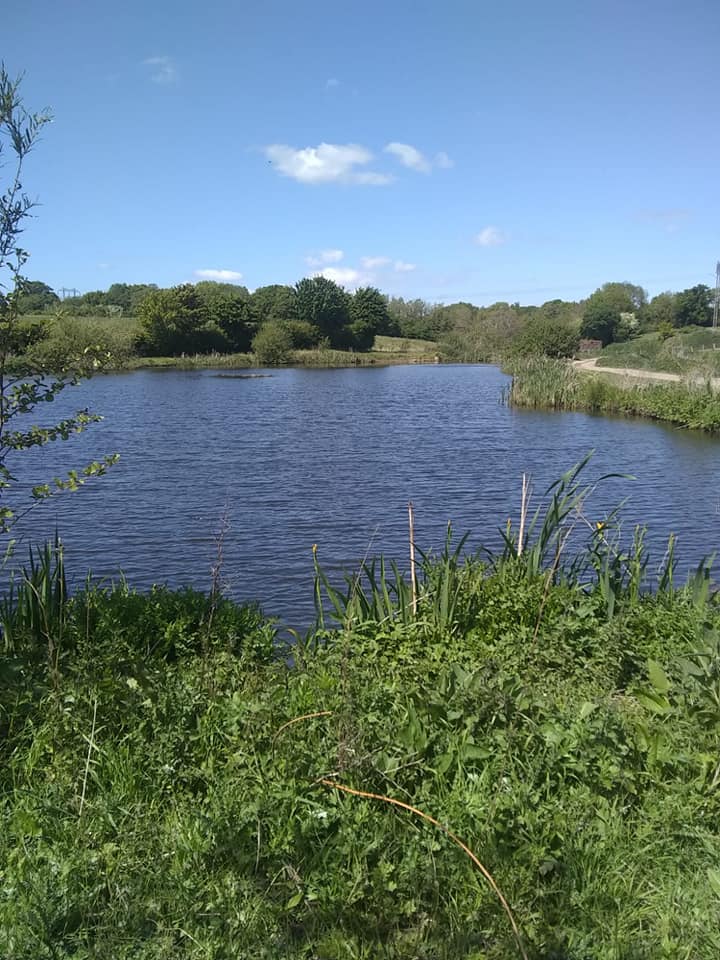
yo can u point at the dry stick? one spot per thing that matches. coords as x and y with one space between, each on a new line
523 512
305 716
456 840
87 761
413 581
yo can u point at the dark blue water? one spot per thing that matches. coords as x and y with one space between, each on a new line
332 457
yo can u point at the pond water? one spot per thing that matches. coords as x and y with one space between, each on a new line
332 457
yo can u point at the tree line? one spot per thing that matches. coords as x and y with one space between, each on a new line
275 320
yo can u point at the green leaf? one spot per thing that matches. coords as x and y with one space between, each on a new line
714 880
294 901
658 677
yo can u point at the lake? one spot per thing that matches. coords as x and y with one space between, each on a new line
304 456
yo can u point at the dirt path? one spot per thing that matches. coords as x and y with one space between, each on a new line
591 365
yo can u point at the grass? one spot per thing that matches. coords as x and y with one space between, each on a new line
175 784
694 351
554 385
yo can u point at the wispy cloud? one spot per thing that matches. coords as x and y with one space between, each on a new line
331 83
400 266
323 257
163 70
670 220
414 159
228 276
490 237
326 163
373 263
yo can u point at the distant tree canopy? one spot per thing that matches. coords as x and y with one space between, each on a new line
610 312
36 297
276 319
694 306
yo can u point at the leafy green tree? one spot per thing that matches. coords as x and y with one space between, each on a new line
26 389
273 304
660 310
173 321
368 317
694 306
272 344
326 306
227 309
604 309
36 297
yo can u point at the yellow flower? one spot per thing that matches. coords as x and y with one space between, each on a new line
314 548
600 525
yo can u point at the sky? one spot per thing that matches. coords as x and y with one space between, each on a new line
459 150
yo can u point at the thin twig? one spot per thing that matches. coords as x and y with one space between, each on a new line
456 840
87 761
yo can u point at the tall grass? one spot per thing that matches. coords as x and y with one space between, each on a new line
554 385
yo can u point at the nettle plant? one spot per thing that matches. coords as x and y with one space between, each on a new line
24 388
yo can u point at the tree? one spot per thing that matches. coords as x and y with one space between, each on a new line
544 337
23 390
272 344
227 309
173 322
604 308
368 317
273 304
326 306
36 297
660 310
694 306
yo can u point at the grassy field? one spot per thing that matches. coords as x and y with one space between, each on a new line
694 351
175 784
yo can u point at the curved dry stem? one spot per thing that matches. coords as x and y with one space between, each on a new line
305 716
456 840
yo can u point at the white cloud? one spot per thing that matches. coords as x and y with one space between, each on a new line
401 266
326 163
163 70
228 276
325 256
345 276
490 237
372 263
409 156
413 159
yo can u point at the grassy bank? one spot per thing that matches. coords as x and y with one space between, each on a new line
173 786
692 351
554 385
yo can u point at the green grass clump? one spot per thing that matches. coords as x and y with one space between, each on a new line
167 771
544 384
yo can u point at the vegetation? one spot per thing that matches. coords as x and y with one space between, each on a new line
25 388
693 351
540 383
173 784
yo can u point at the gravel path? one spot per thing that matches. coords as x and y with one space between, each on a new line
591 365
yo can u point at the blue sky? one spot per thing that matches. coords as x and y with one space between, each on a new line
456 150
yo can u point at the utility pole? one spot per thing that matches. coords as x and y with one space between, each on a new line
64 291
716 305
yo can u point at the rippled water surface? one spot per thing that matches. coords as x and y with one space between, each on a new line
332 457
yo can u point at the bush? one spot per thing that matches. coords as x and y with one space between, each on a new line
273 344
